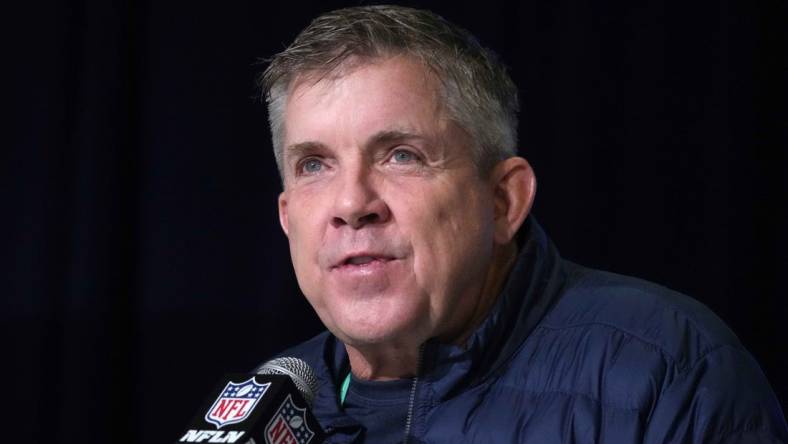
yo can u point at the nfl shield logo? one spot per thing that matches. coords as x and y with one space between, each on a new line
236 402
288 425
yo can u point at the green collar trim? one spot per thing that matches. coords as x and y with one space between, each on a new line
343 390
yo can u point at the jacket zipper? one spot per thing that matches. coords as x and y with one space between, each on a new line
412 400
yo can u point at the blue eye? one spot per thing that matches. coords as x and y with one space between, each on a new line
402 156
311 166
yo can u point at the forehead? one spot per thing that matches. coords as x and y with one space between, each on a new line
363 98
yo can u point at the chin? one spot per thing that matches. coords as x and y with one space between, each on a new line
380 333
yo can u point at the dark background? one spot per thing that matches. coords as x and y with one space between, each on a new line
141 254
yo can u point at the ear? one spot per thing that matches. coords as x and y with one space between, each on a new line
283 213
514 185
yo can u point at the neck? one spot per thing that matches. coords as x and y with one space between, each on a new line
378 362
504 258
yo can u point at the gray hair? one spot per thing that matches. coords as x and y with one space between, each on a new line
476 89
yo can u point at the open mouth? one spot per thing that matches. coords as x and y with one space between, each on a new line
363 261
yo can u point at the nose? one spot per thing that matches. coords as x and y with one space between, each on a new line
358 202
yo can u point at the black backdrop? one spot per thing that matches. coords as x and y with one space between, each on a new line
141 255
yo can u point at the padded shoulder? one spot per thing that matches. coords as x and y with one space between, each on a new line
683 329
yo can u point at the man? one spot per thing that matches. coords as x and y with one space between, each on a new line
450 315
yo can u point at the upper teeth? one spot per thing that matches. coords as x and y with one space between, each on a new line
360 260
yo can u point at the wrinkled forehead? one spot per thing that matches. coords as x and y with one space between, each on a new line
328 75
365 89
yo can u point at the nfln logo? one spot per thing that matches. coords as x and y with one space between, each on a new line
211 436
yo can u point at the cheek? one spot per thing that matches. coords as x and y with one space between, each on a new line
304 240
308 274
445 228
304 216
463 217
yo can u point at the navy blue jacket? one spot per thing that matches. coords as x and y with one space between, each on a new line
573 355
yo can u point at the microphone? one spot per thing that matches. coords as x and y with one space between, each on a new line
299 372
272 407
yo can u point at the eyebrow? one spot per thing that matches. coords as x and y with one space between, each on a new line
380 138
390 136
303 148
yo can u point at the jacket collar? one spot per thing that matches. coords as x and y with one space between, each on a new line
532 288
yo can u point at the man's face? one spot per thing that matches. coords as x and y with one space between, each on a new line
389 222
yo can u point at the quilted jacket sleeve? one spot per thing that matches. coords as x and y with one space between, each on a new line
723 397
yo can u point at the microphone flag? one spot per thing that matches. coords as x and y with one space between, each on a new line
247 409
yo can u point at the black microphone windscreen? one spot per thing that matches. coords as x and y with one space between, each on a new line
299 371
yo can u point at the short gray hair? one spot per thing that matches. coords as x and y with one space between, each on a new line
476 89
